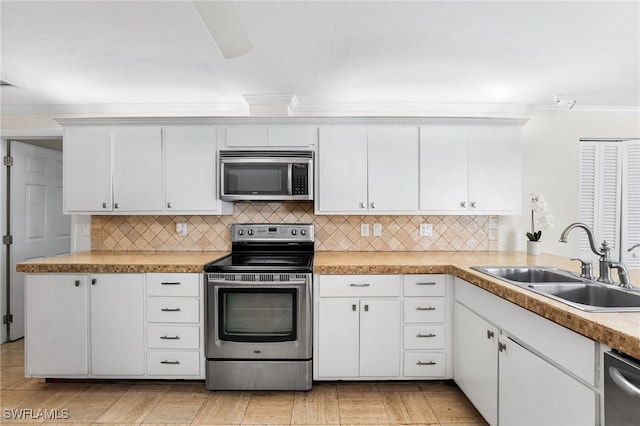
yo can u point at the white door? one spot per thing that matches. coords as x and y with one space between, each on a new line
342 169
534 392
393 168
338 339
475 361
38 227
444 168
117 324
190 168
56 330
380 338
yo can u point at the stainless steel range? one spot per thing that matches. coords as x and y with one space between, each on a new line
258 320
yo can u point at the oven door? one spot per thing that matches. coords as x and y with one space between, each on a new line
258 320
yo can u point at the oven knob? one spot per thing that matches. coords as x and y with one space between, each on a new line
294 232
250 232
303 232
240 231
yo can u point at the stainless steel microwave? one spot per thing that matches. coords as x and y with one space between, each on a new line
266 175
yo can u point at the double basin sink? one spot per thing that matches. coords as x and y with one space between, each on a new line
566 287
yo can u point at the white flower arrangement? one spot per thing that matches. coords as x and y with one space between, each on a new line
541 217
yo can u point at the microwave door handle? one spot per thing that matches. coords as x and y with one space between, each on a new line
289 182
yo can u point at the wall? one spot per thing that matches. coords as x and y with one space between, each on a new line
333 233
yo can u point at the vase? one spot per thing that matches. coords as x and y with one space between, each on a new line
533 248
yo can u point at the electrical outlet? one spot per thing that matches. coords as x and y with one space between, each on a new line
377 230
426 229
364 229
85 230
181 229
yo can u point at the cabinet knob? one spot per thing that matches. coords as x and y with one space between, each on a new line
77 283
463 204
363 205
373 205
94 281
366 308
473 204
169 205
105 205
116 206
490 334
502 347
354 307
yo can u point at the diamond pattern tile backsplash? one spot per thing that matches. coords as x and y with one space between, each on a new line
333 233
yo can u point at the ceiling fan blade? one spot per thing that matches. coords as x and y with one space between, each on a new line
223 22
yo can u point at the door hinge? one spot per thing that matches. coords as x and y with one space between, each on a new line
7 161
8 318
7 240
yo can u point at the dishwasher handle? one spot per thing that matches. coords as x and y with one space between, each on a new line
625 385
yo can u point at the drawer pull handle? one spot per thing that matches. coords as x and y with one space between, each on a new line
425 363
170 337
171 283
426 283
425 335
360 285
170 362
170 309
428 308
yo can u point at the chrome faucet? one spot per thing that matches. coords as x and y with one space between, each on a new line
633 246
605 260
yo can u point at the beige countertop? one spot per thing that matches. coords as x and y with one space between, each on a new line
617 330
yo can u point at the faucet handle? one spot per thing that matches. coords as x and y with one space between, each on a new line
586 268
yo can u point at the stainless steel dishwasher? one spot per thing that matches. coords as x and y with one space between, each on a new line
621 390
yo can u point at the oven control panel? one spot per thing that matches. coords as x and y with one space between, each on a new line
271 232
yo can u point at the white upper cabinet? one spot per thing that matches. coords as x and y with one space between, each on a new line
137 168
190 168
87 169
367 170
267 136
470 169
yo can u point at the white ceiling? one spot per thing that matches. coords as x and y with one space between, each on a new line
333 55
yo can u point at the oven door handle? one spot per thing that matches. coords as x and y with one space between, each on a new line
260 283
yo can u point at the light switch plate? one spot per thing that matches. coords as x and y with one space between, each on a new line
377 230
426 229
364 229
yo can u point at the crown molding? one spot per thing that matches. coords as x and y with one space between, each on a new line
307 108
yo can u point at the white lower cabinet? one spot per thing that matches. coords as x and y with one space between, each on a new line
357 337
380 326
174 326
518 368
93 325
117 324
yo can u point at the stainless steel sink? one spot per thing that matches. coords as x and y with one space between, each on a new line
530 274
567 287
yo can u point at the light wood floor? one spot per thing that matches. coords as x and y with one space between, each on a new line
164 402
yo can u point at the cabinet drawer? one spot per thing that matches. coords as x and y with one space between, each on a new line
424 285
173 363
424 337
423 309
424 364
173 309
359 285
169 337
173 285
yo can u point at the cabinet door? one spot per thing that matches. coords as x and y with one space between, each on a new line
534 392
495 168
380 338
137 169
393 168
475 361
56 325
444 168
87 169
342 170
117 342
338 341
190 168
